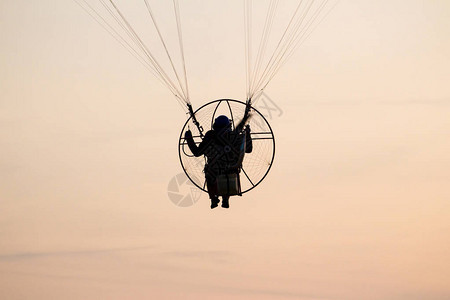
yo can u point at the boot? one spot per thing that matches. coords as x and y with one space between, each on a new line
214 202
225 202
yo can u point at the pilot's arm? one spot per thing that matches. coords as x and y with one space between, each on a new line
200 149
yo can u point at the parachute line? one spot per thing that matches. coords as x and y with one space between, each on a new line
102 22
307 15
248 44
271 12
166 49
118 26
180 41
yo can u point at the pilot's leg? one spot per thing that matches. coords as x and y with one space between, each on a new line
225 201
212 191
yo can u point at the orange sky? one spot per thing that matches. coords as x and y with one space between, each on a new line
355 207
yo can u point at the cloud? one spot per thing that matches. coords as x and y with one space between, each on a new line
33 255
432 102
213 255
273 292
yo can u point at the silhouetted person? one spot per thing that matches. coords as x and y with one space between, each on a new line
222 148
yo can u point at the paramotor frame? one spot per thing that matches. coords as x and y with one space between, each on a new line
255 166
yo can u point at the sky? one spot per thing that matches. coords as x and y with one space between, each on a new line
354 207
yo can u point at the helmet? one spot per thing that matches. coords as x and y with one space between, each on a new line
221 122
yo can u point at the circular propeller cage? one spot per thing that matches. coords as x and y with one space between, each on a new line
256 165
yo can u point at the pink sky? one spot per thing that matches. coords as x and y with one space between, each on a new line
355 207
